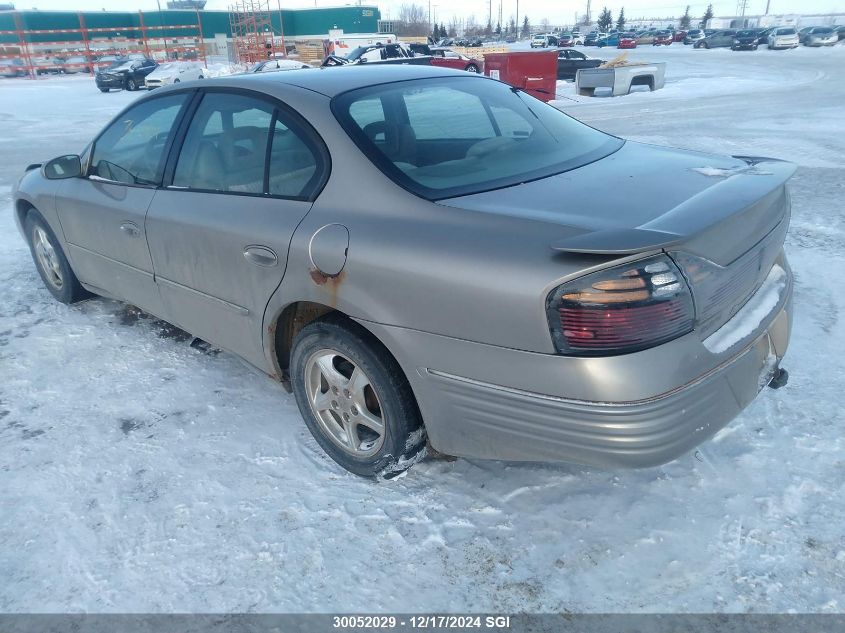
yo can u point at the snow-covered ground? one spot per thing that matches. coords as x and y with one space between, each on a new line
139 473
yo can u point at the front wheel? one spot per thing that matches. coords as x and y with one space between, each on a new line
355 398
131 85
472 68
51 262
104 89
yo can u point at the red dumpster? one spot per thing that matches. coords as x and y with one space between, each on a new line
534 72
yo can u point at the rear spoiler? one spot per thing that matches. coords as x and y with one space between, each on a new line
32 166
617 241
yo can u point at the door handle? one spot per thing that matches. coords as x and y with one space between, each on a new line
131 229
261 256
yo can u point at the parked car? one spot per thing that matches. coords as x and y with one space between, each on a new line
628 40
125 75
646 37
543 41
76 64
719 39
840 32
592 38
615 337
609 40
570 39
679 36
783 37
693 36
820 36
570 61
377 54
13 67
663 38
274 65
745 39
47 65
174 73
448 58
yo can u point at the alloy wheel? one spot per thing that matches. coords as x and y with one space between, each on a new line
344 402
47 258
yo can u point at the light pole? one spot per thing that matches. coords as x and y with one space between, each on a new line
517 20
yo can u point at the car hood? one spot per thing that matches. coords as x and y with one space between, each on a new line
645 197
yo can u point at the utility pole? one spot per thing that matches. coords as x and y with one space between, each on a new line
587 15
768 2
517 20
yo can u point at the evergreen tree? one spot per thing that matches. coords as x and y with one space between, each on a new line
620 21
685 20
498 29
512 27
443 31
708 15
526 27
605 19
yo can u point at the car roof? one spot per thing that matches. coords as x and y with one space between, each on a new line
333 81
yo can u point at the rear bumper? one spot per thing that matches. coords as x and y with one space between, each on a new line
482 418
500 423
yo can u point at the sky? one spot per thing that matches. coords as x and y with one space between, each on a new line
557 12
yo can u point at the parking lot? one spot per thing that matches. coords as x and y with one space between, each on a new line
141 473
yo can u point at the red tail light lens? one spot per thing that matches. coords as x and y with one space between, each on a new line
622 309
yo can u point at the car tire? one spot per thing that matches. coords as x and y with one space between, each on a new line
50 260
104 89
176 81
325 354
471 68
131 86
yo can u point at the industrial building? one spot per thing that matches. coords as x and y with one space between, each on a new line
169 32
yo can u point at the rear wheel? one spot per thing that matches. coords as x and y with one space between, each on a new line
104 89
51 262
355 398
471 68
131 84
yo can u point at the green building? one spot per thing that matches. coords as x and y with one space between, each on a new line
292 23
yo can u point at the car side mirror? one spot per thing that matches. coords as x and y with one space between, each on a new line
69 166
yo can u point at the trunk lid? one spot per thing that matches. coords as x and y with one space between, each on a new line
643 198
723 219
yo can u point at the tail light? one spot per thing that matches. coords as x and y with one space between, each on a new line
622 309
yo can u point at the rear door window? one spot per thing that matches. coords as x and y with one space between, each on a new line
246 145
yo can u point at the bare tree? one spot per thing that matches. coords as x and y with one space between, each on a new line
544 25
413 20
454 24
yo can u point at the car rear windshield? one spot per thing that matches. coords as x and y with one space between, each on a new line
822 31
453 136
786 31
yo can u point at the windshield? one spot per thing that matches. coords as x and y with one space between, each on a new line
822 31
454 136
746 33
786 31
